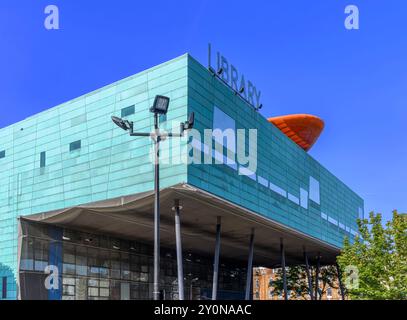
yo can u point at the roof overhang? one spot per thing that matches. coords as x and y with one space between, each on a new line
131 217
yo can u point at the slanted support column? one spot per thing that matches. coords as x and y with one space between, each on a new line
311 294
338 270
308 275
283 266
216 261
250 267
180 268
317 276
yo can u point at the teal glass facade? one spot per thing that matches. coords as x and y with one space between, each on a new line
289 186
72 154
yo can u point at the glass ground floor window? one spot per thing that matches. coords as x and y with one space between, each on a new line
99 267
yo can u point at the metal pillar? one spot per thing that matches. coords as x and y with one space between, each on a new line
317 277
249 267
156 285
311 294
180 268
216 262
283 267
338 270
190 291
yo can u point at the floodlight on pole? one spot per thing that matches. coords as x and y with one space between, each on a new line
124 124
160 106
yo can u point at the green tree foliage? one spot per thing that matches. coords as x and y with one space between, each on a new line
297 281
374 266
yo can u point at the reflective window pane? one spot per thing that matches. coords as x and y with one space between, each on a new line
81 261
314 190
40 255
27 254
109 268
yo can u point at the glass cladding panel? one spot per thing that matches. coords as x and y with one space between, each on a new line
78 120
223 122
293 198
360 213
304 198
278 190
314 194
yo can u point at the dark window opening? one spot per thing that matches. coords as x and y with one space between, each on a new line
2 154
127 111
75 145
4 290
42 159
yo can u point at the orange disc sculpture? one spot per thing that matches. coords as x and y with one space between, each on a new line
303 129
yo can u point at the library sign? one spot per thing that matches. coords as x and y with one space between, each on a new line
230 75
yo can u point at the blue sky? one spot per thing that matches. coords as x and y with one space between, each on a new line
297 52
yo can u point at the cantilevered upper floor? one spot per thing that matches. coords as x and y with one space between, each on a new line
73 154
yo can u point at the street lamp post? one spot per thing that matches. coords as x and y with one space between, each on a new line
160 106
156 287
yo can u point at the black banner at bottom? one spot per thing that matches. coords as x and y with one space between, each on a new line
197 309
